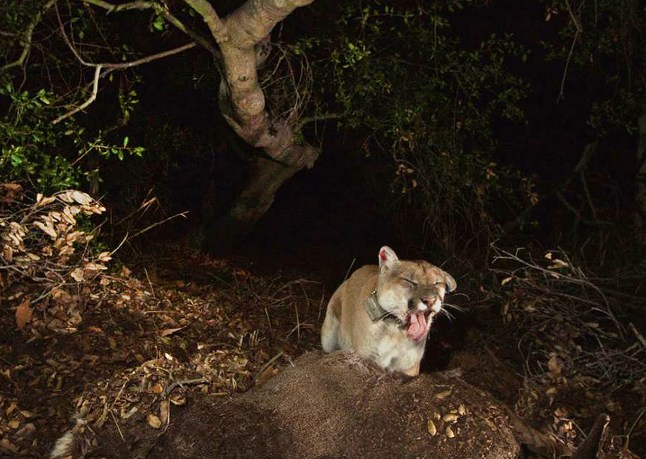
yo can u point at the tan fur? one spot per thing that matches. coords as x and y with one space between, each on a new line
403 288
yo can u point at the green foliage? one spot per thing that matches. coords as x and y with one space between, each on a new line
29 151
605 41
49 156
158 23
429 103
36 150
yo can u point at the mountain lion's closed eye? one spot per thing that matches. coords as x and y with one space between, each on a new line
384 312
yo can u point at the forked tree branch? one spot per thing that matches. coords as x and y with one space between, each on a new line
161 9
211 18
108 66
136 5
242 99
92 98
26 41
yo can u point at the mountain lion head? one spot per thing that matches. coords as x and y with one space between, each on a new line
411 291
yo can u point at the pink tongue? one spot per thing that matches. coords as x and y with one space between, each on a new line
417 326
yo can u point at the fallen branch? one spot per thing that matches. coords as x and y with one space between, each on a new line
185 382
559 313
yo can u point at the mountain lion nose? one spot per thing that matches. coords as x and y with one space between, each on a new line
433 303
429 301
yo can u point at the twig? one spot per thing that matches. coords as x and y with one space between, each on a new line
323 117
639 416
561 95
298 323
27 40
347 273
579 31
109 66
125 238
577 22
266 365
556 305
136 5
171 387
144 205
152 289
92 98
181 214
321 303
271 332
119 394
115 66
116 423
638 335
162 10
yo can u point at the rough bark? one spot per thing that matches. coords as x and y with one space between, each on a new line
242 103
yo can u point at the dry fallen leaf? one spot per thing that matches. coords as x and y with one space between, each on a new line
23 314
7 445
13 424
11 408
553 366
94 267
164 411
157 388
178 399
169 331
153 421
28 431
77 274
40 201
443 394
558 263
104 257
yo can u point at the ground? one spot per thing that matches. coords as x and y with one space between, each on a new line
168 327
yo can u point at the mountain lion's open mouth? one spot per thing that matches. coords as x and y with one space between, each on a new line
417 327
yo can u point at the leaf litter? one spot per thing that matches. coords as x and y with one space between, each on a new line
81 340
138 340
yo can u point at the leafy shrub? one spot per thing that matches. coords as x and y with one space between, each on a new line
429 104
47 255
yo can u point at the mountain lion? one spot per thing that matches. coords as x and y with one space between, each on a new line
384 312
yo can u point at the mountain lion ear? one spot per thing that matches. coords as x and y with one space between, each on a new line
451 285
386 256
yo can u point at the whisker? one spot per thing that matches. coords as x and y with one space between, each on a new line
455 307
447 314
453 295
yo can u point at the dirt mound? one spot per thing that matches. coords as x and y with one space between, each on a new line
330 406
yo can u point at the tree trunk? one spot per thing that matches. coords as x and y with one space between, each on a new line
267 177
242 102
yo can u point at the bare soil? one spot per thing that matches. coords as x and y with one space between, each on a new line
333 406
